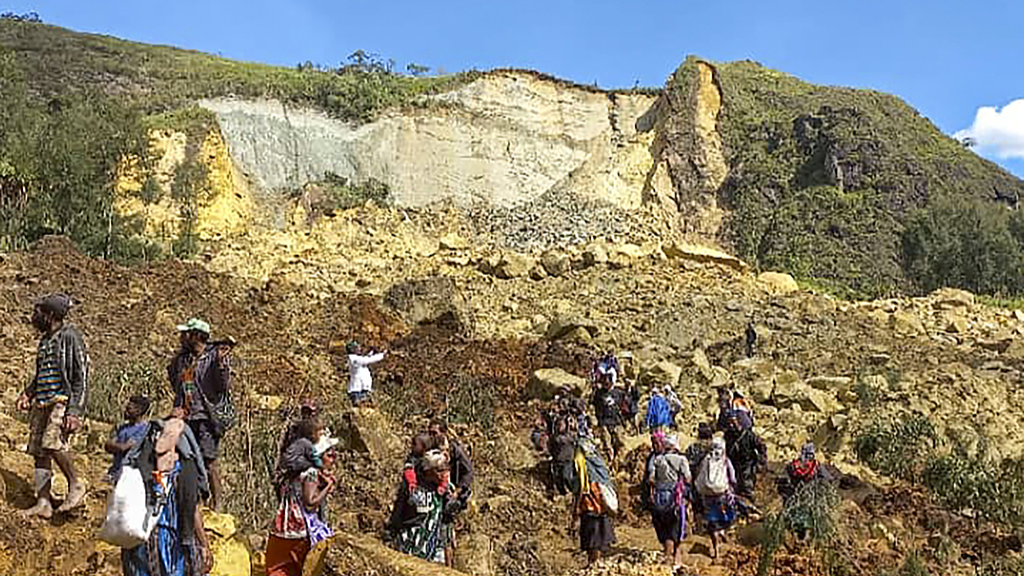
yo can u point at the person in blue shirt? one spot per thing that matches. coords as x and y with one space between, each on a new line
127 434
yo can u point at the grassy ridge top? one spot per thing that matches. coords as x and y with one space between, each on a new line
163 78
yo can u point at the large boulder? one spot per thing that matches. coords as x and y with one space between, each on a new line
951 298
556 263
778 282
595 255
906 323
433 300
367 431
546 382
570 327
663 373
702 364
514 265
704 255
230 556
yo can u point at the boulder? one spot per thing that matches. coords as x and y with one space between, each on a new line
367 431
906 323
761 391
663 373
514 265
556 263
955 322
951 298
452 242
561 326
594 255
1015 350
778 282
835 383
546 382
230 555
704 255
703 365
433 300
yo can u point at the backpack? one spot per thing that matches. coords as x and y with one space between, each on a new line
713 478
658 412
129 521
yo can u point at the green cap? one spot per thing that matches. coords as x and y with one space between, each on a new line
351 347
194 325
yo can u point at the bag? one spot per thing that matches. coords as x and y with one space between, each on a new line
713 479
609 498
223 413
664 500
658 412
129 522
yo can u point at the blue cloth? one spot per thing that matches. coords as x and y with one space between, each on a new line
125 433
164 554
719 512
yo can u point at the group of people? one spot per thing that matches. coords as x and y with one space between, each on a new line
177 456
436 484
713 479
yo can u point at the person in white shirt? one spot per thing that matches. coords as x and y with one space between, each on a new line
360 382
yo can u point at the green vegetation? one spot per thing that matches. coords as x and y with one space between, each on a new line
58 159
811 513
824 179
897 447
110 389
959 479
162 79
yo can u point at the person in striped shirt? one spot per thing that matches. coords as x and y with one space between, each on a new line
55 400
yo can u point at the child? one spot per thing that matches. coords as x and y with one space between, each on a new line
422 444
127 434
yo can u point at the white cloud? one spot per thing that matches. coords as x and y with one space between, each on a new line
999 132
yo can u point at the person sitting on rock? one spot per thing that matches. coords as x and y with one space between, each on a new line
607 401
126 435
360 381
747 452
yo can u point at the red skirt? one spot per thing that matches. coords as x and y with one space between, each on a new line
285 556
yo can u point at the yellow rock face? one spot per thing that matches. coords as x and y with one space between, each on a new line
225 206
229 208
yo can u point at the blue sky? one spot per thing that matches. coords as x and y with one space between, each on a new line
946 58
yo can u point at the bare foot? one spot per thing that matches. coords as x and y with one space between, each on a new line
76 494
42 509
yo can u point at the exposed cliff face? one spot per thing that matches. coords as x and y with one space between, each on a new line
504 140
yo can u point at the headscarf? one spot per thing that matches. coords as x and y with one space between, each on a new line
434 460
658 440
671 442
807 452
717 448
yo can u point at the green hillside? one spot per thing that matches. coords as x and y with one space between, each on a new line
855 189
849 189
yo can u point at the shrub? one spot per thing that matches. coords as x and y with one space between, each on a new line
899 447
112 386
810 513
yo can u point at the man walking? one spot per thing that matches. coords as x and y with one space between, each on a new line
55 399
607 401
200 376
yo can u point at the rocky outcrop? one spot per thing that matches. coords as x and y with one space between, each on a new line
504 139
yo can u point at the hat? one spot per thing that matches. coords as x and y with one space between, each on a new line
671 441
351 347
194 325
56 304
325 443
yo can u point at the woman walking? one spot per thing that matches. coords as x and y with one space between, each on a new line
716 484
667 478
416 526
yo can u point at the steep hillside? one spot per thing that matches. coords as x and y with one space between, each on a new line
820 179
849 189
